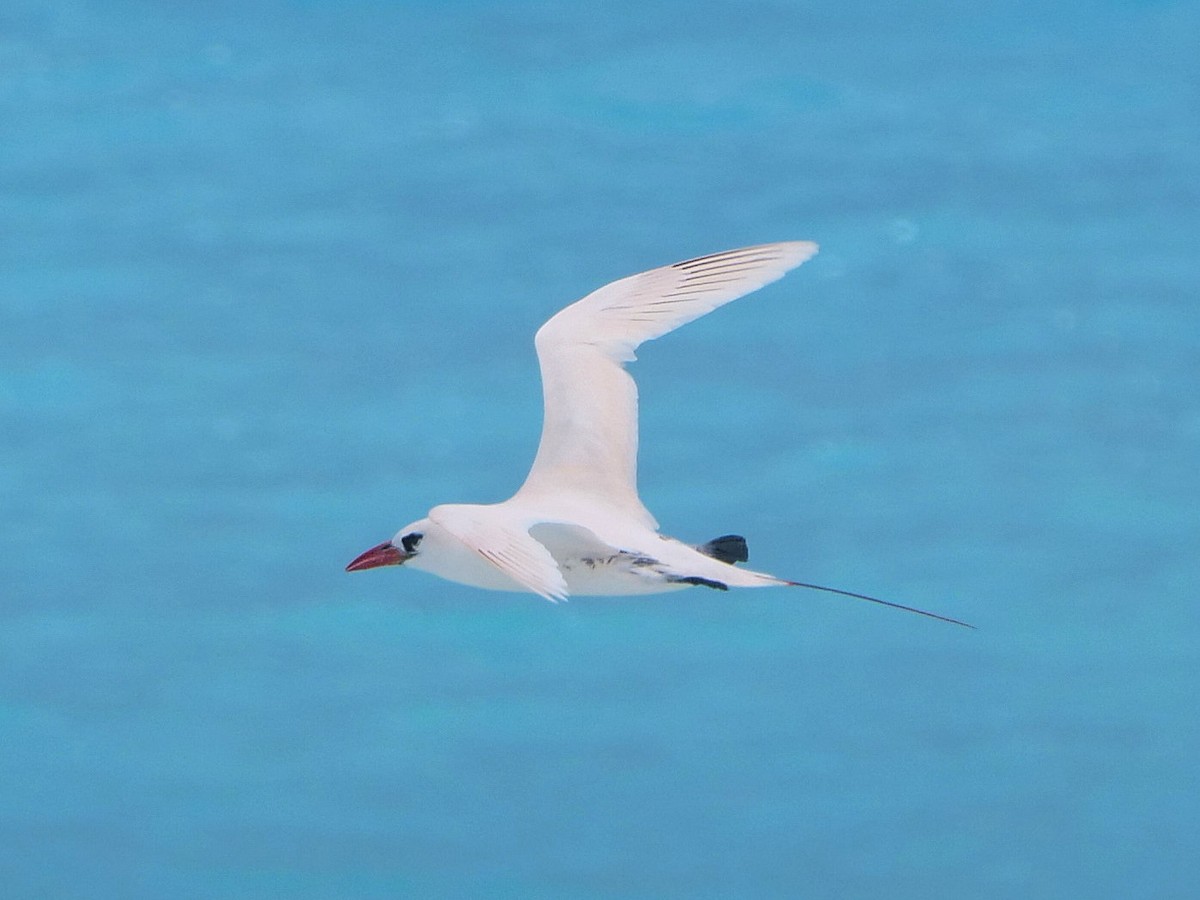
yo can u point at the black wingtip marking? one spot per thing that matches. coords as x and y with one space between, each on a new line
728 548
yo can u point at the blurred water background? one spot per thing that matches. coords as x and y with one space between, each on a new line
269 274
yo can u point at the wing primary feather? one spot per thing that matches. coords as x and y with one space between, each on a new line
725 254
719 258
727 259
688 293
732 269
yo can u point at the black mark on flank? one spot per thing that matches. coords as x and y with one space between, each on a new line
697 580
623 558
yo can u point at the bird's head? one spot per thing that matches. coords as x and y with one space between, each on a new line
400 549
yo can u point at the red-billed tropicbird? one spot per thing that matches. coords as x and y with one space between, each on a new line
577 526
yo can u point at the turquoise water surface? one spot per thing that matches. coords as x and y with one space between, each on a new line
269 274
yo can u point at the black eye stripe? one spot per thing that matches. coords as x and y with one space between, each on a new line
410 541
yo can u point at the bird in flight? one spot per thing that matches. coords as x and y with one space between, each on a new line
577 525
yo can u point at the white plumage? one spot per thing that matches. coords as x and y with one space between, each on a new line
577 526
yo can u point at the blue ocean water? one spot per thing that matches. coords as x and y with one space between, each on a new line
269 273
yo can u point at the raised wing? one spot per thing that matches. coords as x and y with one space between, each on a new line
589 436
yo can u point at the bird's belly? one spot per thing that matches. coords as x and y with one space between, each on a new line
614 576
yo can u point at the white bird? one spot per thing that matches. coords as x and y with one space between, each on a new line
577 525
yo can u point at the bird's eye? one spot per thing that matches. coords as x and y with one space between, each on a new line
410 541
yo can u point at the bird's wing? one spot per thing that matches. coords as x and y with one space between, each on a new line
505 543
589 436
